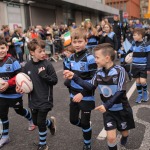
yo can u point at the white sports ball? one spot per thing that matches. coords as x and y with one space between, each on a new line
24 82
1 82
128 58
14 40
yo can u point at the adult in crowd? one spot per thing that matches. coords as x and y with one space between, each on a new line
138 24
117 27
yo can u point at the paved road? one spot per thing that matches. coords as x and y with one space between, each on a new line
69 137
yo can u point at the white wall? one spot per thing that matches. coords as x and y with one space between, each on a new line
3 14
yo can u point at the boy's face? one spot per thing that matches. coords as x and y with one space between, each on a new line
79 44
100 59
3 51
137 37
38 54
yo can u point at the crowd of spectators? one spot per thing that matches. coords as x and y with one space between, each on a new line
18 38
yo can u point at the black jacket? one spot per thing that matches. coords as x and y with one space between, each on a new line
117 29
113 42
42 95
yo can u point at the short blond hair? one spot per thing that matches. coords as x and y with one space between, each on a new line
79 33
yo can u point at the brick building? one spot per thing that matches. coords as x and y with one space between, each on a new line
130 7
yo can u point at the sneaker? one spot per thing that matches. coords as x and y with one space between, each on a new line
139 99
4 141
42 147
31 126
145 96
52 127
87 147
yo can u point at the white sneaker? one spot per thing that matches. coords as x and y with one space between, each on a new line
52 127
31 126
4 141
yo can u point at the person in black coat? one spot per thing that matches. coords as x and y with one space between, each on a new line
109 37
117 29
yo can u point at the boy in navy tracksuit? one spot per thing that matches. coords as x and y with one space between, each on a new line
43 77
140 63
110 79
9 67
83 64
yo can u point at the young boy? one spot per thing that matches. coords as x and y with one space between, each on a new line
110 78
43 77
83 64
9 67
141 63
68 52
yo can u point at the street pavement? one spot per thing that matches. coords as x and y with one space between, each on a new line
69 137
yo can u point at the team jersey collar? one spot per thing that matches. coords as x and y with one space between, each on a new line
80 53
36 63
107 70
139 43
5 58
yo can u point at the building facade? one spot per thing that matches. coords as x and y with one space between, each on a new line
46 12
131 8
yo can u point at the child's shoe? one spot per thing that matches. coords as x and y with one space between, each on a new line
123 140
31 126
87 147
52 127
145 96
4 141
42 147
139 99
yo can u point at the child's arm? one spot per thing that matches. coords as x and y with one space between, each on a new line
115 97
50 76
4 87
86 85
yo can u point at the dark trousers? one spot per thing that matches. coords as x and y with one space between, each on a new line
83 121
17 104
39 118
